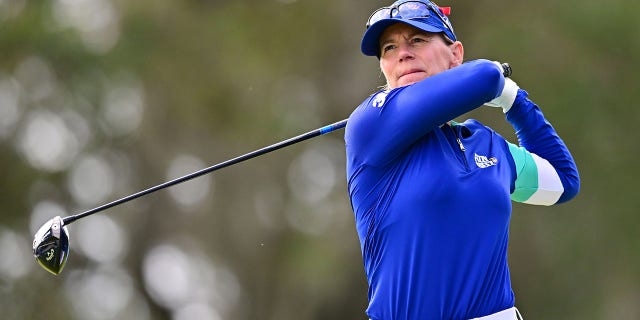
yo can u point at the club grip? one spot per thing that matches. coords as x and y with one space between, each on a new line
506 69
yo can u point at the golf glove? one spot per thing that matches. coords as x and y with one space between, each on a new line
507 97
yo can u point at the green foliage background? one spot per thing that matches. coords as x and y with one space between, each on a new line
221 78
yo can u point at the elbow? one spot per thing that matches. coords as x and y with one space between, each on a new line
571 185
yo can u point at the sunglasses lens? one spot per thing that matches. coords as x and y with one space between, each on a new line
380 14
413 9
407 10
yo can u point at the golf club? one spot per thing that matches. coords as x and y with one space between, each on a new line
51 241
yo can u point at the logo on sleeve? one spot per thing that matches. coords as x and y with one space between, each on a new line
380 98
484 162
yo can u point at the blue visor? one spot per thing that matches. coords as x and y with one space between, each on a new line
423 15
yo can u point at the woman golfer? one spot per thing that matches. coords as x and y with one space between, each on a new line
432 197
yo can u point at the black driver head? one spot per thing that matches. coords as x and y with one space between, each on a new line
51 245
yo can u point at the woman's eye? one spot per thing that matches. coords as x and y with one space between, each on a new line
388 47
417 40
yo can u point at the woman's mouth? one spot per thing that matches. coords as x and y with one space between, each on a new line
412 71
412 76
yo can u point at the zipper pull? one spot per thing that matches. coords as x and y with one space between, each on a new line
455 133
461 145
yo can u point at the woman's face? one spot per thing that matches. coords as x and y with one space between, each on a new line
408 55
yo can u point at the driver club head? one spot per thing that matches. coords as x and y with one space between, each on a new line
51 245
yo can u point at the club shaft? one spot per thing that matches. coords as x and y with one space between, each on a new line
305 136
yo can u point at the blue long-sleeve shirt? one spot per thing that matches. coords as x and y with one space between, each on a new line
432 200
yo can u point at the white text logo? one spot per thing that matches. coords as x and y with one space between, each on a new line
484 162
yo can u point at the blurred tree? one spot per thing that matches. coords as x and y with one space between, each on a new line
102 98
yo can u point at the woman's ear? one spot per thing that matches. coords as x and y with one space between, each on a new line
458 53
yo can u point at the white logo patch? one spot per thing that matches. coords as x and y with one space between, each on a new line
380 98
484 162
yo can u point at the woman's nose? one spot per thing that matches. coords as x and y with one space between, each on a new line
405 52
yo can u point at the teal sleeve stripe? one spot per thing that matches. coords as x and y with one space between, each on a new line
527 174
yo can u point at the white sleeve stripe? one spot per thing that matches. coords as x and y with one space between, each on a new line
549 185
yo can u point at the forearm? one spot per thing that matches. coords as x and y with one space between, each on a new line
445 96
538 136
388 123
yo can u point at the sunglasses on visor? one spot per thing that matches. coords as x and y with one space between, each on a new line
410 10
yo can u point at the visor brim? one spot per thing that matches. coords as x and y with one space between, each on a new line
370 45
